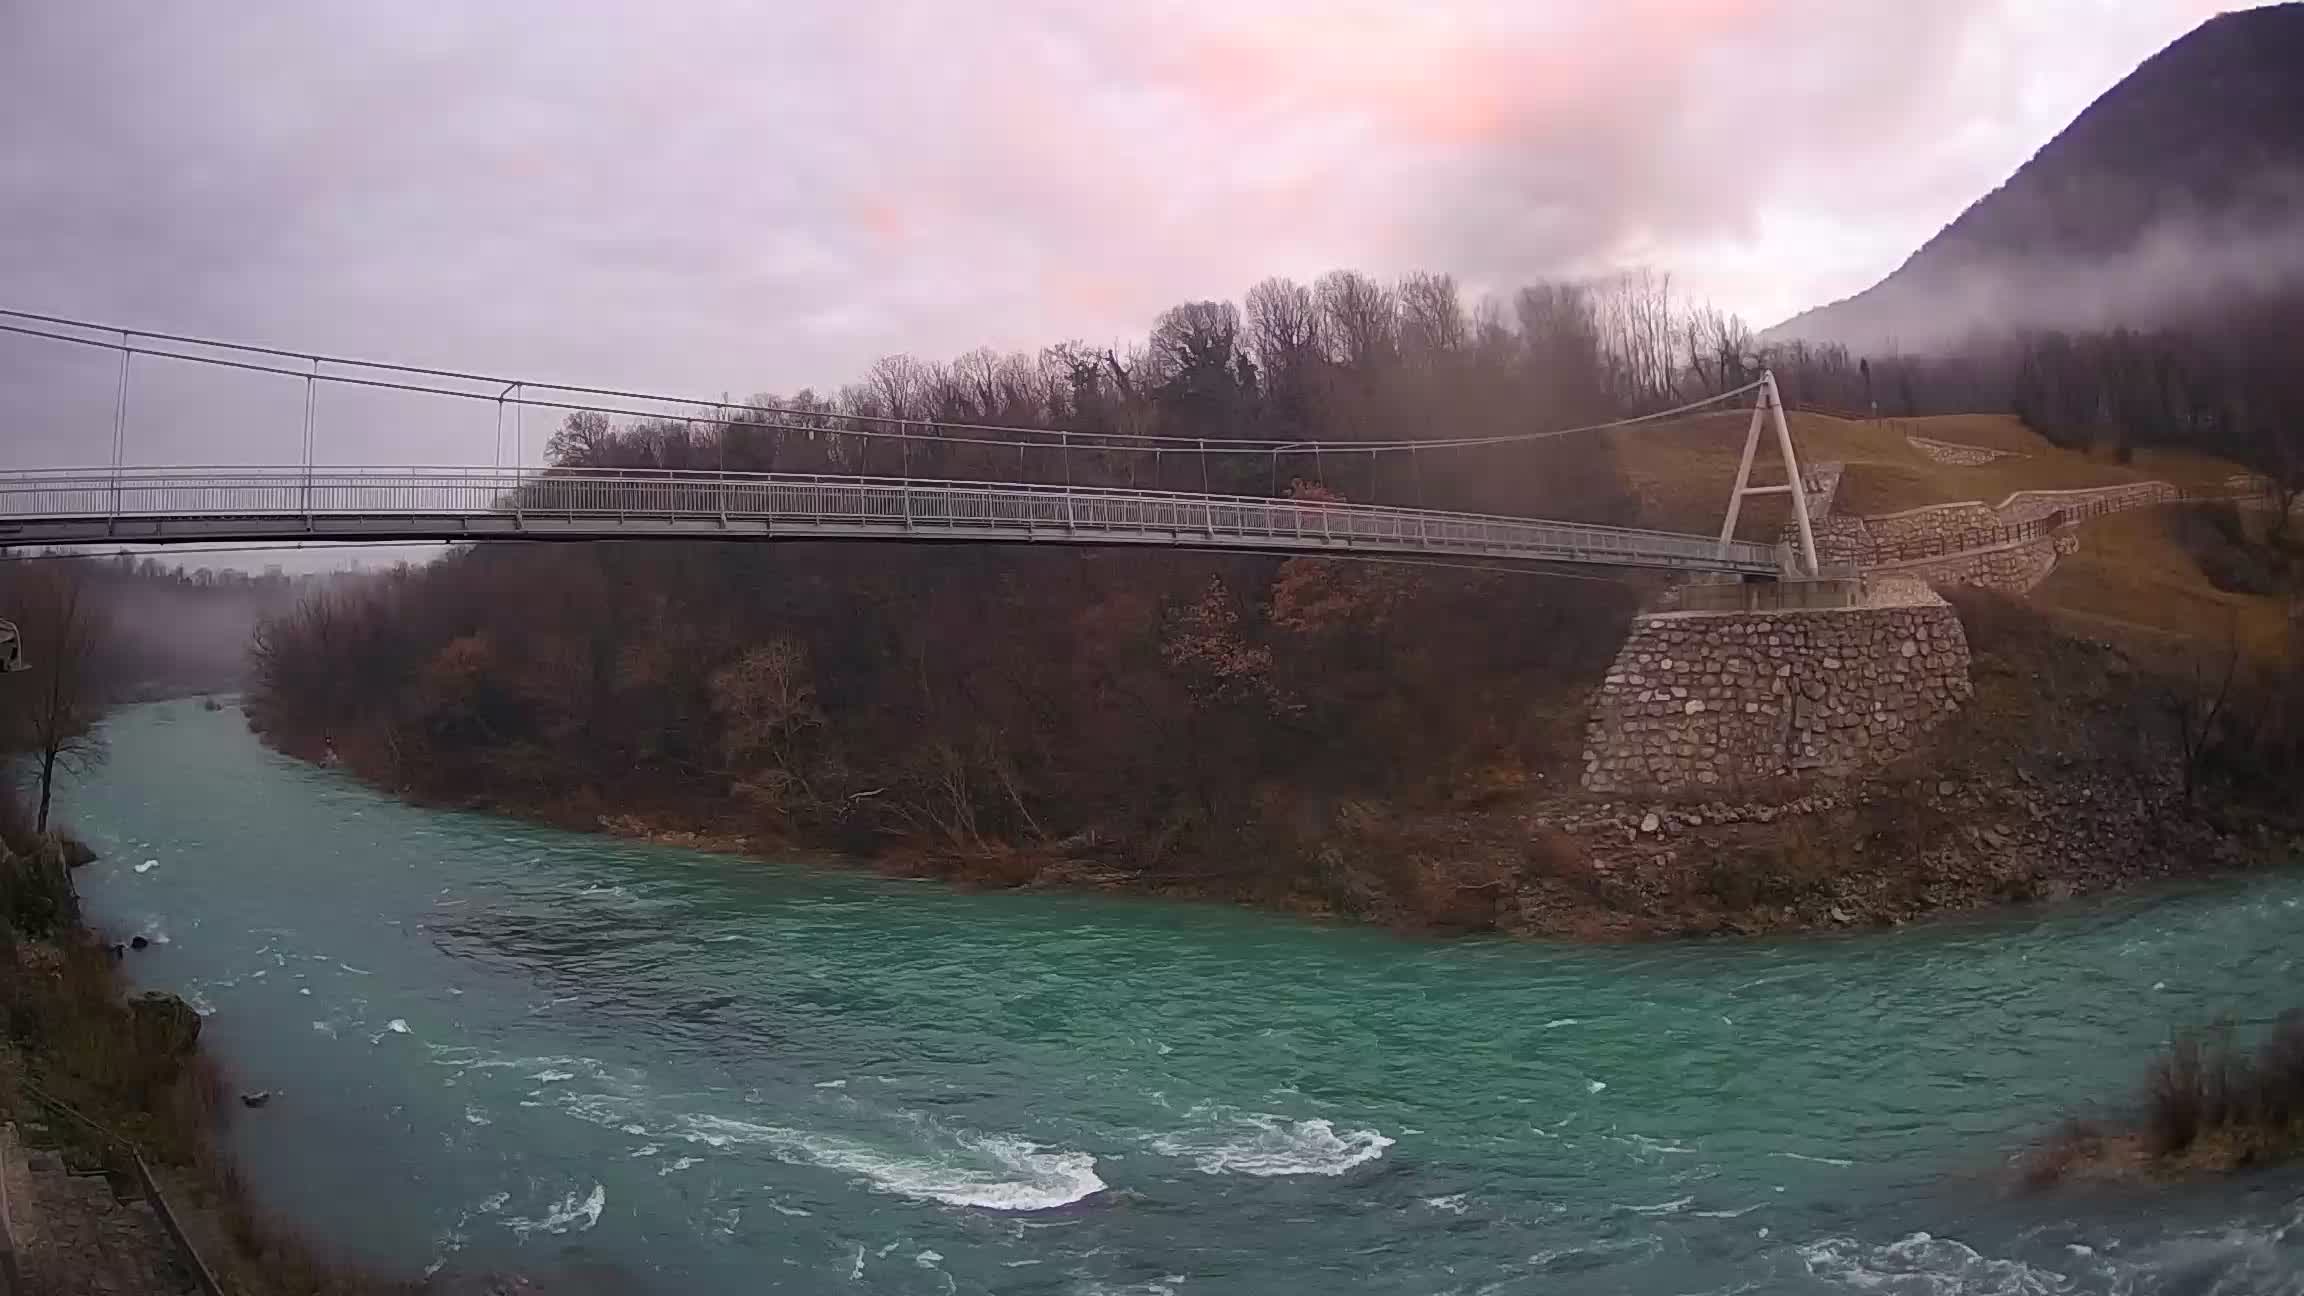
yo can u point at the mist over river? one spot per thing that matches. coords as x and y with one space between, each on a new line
497 1047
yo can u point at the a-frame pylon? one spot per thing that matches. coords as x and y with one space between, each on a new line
1771 408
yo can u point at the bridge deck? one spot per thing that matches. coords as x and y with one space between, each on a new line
167 505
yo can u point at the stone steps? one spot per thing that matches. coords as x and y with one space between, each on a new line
76 1236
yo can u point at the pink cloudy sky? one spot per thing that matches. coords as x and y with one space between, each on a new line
734 197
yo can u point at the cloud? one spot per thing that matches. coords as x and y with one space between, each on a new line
721 196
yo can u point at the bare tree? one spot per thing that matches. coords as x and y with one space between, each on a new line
1432 320
1283 329
1637 333
583 440
59 700
1359 320
2199 710
1720 349
766 701
900 386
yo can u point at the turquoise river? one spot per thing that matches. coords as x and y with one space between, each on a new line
500 1048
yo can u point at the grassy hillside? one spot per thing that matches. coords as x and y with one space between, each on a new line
2136 582
1681 471
2134 579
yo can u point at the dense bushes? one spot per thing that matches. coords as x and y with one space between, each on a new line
2209 1103
2235 560
2207 1086
960 699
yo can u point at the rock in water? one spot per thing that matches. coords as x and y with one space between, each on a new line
256 1099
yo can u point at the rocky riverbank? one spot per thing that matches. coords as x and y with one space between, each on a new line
1937 835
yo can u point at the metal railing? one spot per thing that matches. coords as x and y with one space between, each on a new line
149 505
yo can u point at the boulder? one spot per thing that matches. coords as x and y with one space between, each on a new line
165 1026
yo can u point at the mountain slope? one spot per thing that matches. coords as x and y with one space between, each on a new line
2182 185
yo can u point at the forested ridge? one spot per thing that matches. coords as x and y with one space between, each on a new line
1130 709
1020 712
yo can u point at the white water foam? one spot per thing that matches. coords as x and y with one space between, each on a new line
1453 1203
1814 1160
957 1167
1922 1264
568 1214
1550 1258
1652 1147
1262 1145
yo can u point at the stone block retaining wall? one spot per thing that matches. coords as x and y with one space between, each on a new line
1969 543
1699 700
2013 568
1954 453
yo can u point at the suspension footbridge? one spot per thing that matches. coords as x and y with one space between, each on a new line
123 502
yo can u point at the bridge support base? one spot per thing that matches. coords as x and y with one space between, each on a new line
1710 701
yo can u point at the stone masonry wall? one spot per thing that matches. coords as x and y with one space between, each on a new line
2031 506
1821 486
1700 700
2011 568
1954 453
1963 537
1916 533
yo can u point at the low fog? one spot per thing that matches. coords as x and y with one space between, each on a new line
2178 270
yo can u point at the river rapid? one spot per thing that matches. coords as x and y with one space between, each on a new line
497 1047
